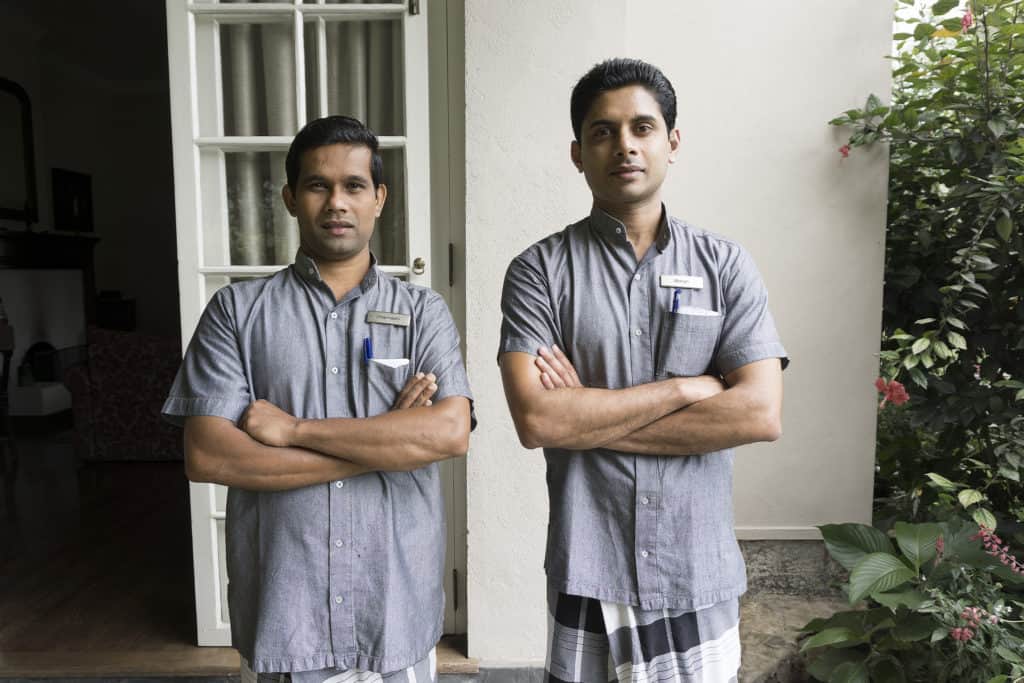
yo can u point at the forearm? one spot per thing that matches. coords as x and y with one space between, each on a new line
580 418
737 416
218 452
397 440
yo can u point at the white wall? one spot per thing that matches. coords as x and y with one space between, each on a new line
757 83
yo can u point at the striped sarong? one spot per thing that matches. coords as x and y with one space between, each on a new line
593 641
423 671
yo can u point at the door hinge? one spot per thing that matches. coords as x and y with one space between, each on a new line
414 6
451 264
455 590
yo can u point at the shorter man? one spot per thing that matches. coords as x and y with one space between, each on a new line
324 396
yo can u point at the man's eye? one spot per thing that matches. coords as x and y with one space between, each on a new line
645 128
601 132
355 187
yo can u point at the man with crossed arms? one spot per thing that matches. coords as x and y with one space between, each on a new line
638 350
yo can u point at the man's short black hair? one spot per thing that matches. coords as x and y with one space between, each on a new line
333 130
618 73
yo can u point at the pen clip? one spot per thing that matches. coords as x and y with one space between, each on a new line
367 350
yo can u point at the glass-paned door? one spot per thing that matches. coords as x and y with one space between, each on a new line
244 77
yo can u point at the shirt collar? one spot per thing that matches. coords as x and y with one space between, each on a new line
308 271
614 229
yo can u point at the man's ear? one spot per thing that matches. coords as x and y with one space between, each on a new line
574 154
382 195
289 199
673 144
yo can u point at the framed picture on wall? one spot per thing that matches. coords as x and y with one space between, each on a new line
72 201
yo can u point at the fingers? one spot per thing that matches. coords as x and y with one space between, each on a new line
553 378
417 391
570 370
562 372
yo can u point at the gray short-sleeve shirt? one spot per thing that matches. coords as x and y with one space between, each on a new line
651 531
346 574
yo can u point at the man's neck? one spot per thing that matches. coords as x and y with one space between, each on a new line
343 276
642 221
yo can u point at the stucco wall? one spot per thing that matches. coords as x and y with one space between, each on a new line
757 83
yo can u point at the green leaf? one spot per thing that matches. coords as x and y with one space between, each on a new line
942 481
848 544
1004 228
997 127
1008 655
943 6
957 340
955 322
1019 396
850 672
1001 678
984 518
877 572
922 31
830 636
938 634
920 345
911 599
1007 473
915 627
969 497
917 541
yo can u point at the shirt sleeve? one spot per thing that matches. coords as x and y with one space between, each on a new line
527 314
212 379
748 329
437 351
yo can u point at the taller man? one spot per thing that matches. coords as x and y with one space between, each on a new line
638 350
308 393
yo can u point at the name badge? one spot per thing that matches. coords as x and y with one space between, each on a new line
387 318
682 281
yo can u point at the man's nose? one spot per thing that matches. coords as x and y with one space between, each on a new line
337 201
625 144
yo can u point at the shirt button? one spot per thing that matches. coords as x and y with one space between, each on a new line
334 315
637 332
637 277
645 500
340 484
334 371
339 543
618 231
338 599
644 553
312 271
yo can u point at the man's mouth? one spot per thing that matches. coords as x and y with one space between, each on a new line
630 171
337 227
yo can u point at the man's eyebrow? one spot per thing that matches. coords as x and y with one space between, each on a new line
642 118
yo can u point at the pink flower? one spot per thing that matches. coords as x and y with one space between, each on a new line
940 545
994 547
845 151
967 20
892 392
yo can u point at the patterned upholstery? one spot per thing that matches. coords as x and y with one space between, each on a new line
117 396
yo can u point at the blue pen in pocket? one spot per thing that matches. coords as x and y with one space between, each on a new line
675 300
367 350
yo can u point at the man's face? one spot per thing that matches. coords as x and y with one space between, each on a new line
625 148
335 202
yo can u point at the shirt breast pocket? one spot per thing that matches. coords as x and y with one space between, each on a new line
383 384
686 345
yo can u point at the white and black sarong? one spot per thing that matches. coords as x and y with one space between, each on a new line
594 641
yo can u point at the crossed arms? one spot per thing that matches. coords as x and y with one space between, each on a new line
675 416
271 450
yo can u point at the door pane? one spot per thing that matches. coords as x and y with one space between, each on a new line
258 62
363 72
389 237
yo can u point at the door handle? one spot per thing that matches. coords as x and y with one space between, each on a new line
419 266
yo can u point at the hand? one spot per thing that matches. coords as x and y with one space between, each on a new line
268 424
417 392
556 372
